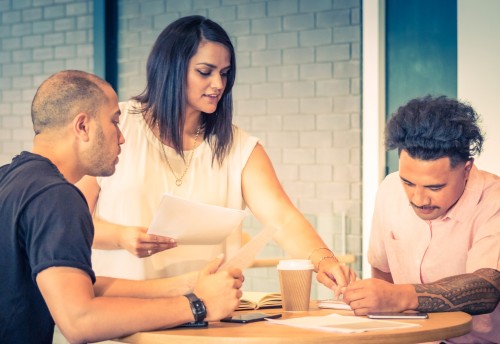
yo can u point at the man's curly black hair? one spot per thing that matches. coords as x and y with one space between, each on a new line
431 128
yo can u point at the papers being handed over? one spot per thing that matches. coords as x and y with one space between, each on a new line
341 323
194 223
246 255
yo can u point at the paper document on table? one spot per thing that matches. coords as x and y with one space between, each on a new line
194 223
246 255
341 323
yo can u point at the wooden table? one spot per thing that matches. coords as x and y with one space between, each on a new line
438 326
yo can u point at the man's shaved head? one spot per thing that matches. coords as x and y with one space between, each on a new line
64 95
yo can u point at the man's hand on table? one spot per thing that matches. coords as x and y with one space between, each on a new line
375 295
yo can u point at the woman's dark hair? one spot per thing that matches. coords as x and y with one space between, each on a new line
164 97
432 128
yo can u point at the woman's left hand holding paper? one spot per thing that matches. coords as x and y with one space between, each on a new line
140 244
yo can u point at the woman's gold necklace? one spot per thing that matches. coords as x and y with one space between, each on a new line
178 180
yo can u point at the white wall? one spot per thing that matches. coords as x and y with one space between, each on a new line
37 38
373 109
479 71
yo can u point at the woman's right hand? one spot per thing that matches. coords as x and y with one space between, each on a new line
140 244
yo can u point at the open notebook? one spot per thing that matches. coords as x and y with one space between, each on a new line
257 299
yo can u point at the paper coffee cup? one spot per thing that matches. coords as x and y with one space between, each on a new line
295 277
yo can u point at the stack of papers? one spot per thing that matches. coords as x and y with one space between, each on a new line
194 223
342 324
334 304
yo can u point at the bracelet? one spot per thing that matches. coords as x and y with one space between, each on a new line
327 257
317 249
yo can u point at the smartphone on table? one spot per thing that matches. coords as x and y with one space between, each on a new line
249 317
396 315
195 324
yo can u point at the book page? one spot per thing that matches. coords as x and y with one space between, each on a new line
258 299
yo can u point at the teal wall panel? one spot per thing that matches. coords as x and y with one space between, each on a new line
421 53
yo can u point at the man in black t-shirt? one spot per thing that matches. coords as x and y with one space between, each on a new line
46 232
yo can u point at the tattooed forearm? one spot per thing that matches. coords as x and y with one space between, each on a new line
473 293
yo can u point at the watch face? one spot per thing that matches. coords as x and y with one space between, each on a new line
199 306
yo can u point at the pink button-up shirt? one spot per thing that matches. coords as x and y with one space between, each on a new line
466 239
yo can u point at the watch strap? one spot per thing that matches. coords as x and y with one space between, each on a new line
197 307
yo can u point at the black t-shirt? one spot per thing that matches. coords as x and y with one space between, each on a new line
44 222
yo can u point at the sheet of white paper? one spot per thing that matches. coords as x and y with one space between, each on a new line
334 304
341 323
246 255
194 223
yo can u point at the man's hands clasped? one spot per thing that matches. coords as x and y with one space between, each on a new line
219 290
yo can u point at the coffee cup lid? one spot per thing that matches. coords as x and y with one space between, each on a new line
295 264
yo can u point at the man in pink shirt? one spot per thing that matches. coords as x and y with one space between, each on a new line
435 238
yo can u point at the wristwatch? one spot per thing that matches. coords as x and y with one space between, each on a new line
197 307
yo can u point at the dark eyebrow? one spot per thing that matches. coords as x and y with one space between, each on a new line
425 186
212 66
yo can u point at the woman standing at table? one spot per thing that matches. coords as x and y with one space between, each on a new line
180 139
